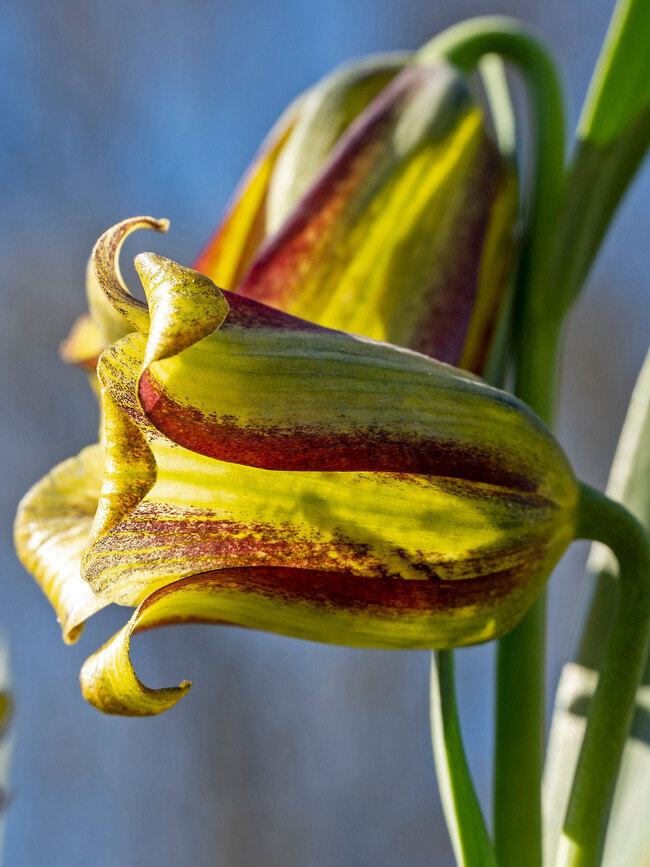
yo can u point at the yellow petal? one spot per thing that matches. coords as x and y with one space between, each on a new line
327 110
314 605
84 344
112 307
407 234
51 530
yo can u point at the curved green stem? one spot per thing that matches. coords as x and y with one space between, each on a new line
469 836
612 707
495 84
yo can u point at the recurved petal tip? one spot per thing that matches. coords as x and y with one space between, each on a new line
114 310
51 529
110 684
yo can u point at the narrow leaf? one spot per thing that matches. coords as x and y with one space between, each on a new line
469 836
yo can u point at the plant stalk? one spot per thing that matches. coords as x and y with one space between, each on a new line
612 707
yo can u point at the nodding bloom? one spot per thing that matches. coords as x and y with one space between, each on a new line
294 478
260 470
378 204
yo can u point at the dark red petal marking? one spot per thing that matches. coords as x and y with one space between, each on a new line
389 598
447 311
277 267
248 313
301 448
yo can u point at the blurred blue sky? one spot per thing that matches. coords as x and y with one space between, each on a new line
284 753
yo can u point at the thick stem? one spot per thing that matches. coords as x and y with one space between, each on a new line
519 741
612 707
521 669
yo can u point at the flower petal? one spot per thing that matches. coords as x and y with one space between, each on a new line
275 392
289 159
84 344
413 215
108 320
203 515
332 607
327 111
52 526
469 483
114 310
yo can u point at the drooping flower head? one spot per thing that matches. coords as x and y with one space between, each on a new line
260 470
264 471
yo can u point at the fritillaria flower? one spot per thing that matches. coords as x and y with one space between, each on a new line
378 204
403 234
266 472
260 470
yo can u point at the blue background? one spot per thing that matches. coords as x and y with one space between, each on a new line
285 753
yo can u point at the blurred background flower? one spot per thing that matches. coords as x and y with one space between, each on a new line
298 753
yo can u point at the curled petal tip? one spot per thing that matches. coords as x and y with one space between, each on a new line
110 684
115 311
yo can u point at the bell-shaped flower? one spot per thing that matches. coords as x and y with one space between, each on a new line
401 229
266 472
378 204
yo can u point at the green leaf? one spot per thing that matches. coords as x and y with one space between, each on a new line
611 141
620 86
469 837
628 839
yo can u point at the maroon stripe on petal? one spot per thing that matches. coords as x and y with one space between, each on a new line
370 597
447 312
301 448
248 313
275 274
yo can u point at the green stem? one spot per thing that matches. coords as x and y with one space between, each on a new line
519 740
469 836
521 668
612 707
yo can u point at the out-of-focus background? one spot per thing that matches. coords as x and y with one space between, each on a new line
285 753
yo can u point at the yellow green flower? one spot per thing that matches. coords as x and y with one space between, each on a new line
402 231
378 204
263 471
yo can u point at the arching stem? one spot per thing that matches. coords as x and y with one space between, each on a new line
612 707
